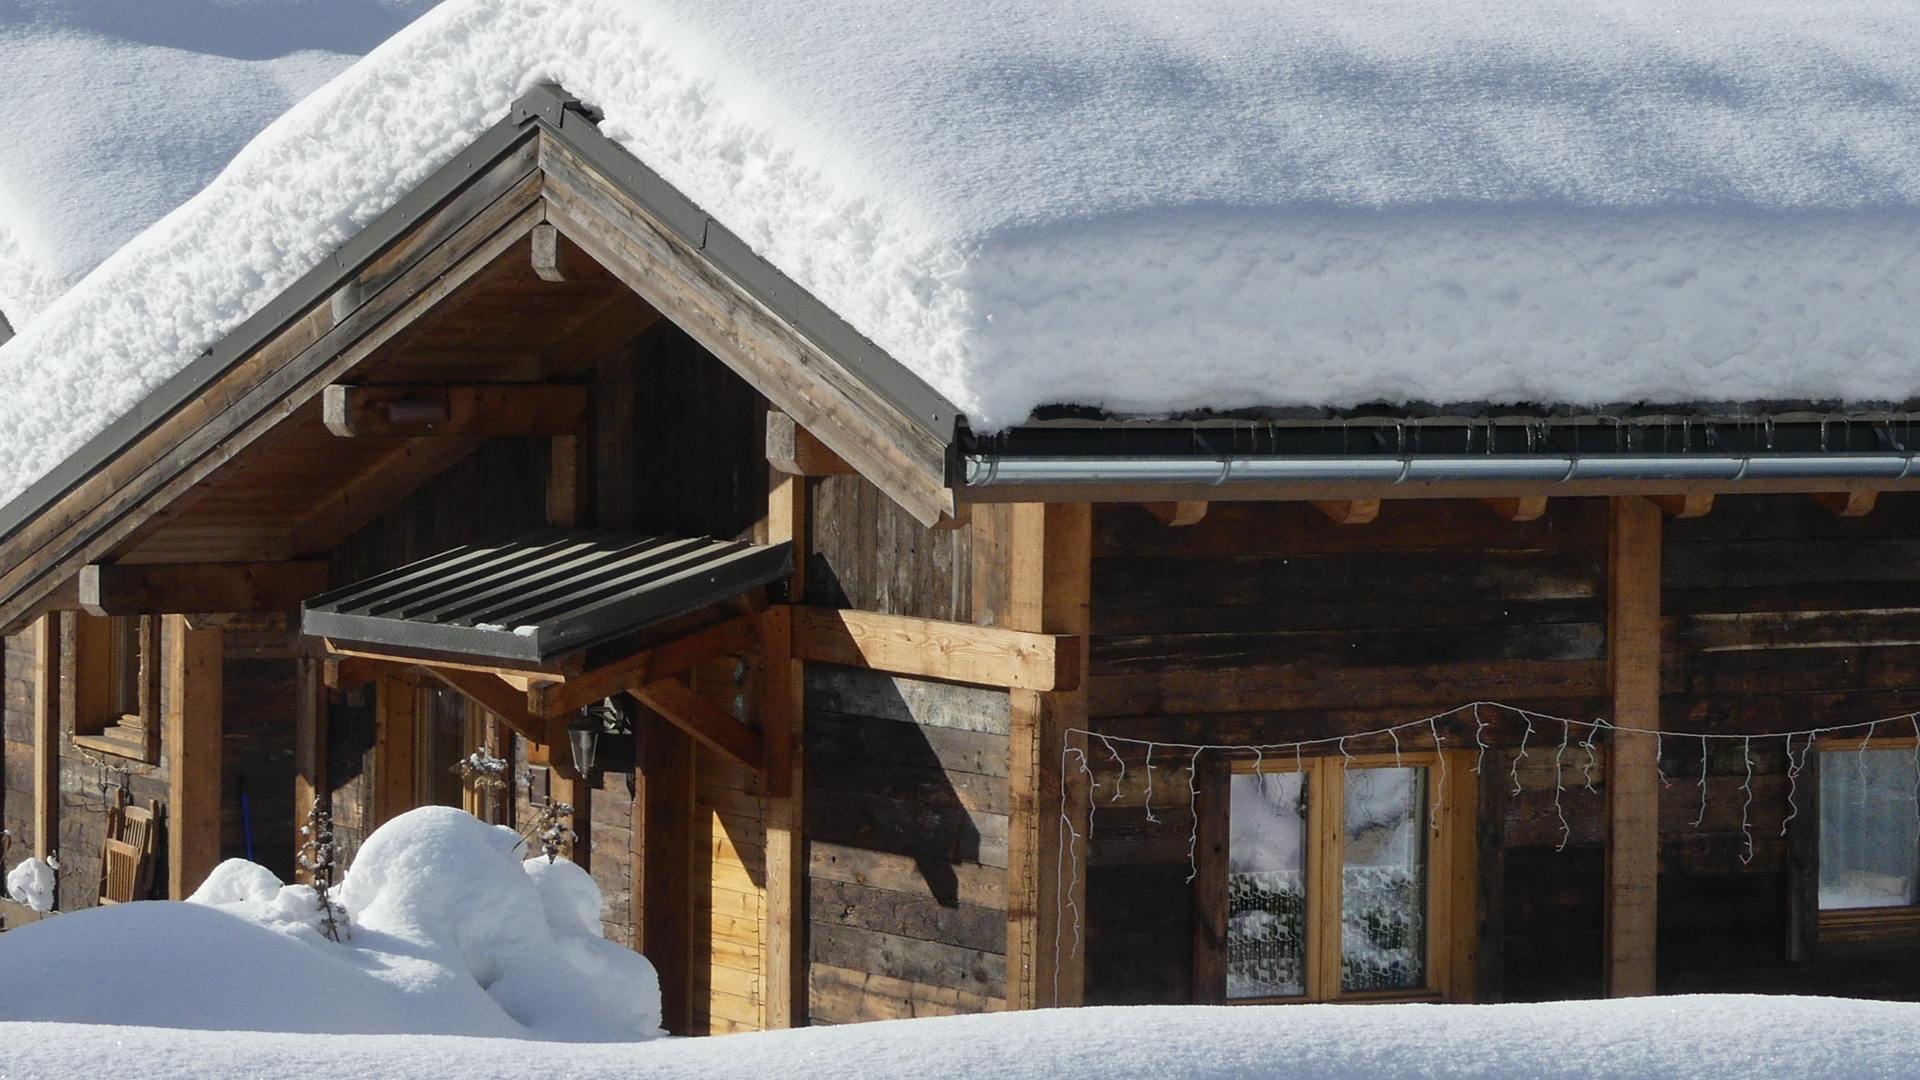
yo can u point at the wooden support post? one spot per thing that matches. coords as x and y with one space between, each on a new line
783 950
662 865
46 736
1350 511
1633 790
1692 505
195 661
1050 562
395 718
567 487
310 718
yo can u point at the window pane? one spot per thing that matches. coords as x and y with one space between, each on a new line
124 663
1383 886
1267 886
1869 838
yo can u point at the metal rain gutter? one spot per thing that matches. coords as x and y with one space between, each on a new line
991 470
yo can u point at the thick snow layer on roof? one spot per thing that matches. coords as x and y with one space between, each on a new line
118 111
1153 207
447 932
1684 1038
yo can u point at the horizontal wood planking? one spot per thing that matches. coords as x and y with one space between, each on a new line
974 971
845 995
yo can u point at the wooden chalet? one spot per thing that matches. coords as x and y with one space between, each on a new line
910 721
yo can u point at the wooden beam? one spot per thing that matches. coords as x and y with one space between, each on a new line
1520 508
495 695
478 409
1691 505
702 719
1177 515
929 648
310 724
549 259
1848 503
64 598
193 588
46 736
793 450
394 740
562 667
1051 565
195 661
663 864
558 698
1349 511
784 960
1633 790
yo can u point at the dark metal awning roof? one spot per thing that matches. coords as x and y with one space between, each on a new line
542 595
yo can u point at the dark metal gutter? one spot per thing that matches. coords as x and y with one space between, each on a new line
545 108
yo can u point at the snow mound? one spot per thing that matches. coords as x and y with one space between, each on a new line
447 932
1683 1038
121 111
1150 207
33 883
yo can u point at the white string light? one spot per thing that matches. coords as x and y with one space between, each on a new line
1479 730
1746 825
1193 807
1566 830
1522 755
1702 816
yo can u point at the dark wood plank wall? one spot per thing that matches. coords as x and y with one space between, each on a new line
1778 615
906 823
1268 622
260 686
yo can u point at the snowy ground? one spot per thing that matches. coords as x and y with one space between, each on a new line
1699 1038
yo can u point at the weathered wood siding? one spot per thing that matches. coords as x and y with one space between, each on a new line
16 747
906 822
1269 622
1778 615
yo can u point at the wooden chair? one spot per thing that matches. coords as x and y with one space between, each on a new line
126 859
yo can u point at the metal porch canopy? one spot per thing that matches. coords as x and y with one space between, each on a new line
541 595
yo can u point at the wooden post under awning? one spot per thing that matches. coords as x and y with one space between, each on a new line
310 717
1633 789
46 736
663 862
1049 550
194 661
783 948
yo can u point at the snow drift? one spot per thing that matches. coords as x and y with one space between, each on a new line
449 933
1151 207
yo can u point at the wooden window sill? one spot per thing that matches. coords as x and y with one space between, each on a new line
118 741
1869 924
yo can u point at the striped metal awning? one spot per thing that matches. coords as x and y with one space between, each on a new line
542 595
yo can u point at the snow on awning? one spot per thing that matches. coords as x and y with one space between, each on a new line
542 595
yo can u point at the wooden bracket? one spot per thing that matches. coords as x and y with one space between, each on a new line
480 409
730 637
1350 511
495 695
1519 509
793 450
1849 503
1693 505
703 720
183 588
1177 515
927 648
549 257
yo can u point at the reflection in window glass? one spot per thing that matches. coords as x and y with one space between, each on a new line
1383 885
1267 886
1869 836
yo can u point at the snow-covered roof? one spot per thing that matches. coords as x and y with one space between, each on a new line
117 112
1153 207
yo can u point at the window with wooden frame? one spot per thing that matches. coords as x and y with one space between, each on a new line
116 688
1347 878
1869 826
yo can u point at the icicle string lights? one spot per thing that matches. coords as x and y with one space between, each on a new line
1072 837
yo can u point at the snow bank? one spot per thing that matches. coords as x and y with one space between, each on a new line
1697 1038
118 112
1151 207
448 934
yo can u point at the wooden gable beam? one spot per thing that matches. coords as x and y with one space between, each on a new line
929 648
64 598
793 450
1520 508
191 588
1848 503
1176 515
1350 511
1692 505
701 719
479 409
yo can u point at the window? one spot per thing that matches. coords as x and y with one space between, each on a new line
1869 838
117 685
1339 878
